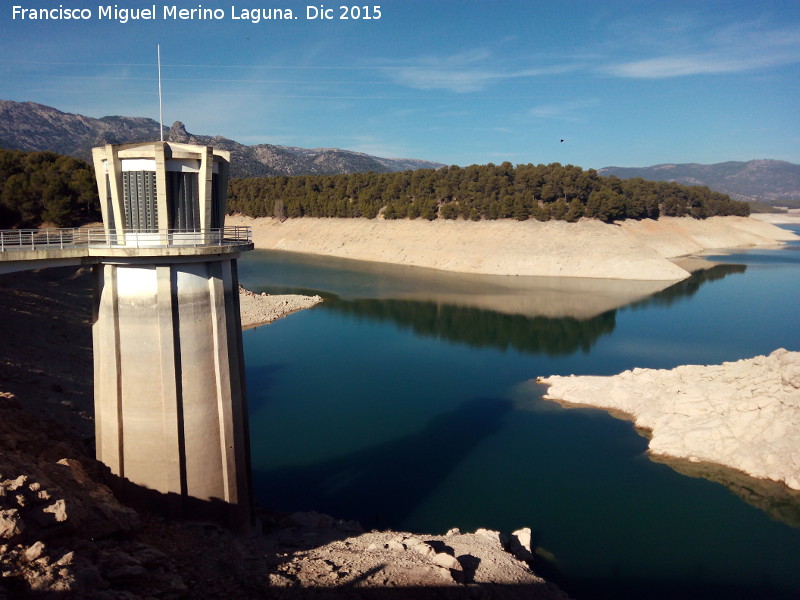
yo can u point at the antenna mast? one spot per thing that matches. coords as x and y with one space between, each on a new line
160 105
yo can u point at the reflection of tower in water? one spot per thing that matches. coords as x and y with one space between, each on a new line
171 422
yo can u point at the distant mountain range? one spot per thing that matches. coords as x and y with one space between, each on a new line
773 182
30 126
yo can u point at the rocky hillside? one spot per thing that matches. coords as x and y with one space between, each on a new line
774 182
31 126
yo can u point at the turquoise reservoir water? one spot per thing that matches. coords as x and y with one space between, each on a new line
406 401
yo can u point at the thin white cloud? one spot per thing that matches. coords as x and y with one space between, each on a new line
733 49
471 71
371 145
677 66
708 64
464 80
454 80
563 111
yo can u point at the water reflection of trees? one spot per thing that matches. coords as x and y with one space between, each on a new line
484 328
688 287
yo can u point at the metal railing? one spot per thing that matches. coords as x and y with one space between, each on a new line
97 237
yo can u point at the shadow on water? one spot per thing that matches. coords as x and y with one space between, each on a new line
384 480
612 589
262 379
777 500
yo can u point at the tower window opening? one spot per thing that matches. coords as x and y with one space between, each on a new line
141 207
217 195
184 200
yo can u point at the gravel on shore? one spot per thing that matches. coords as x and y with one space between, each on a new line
259 309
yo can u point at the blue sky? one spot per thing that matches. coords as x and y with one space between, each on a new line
630 83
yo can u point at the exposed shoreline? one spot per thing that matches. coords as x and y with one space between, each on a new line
744 415
791 217
639 250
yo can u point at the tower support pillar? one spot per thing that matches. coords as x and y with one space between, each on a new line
170 399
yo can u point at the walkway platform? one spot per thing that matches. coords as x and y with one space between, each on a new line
28 249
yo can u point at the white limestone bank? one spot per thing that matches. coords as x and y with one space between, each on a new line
744 414
628 250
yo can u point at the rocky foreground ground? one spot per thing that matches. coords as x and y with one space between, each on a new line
64 535
743 414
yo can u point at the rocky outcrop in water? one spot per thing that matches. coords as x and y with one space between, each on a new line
258 309
743 414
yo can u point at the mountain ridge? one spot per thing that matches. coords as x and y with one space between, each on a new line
36 127
775 182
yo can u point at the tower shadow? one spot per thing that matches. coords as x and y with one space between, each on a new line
381 486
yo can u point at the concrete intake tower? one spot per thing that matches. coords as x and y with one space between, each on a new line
170 400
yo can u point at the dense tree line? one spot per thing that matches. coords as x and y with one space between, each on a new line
541 192
38 187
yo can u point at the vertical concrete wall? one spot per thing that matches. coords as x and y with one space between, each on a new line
171 418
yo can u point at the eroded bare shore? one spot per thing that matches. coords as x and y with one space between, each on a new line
638 250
